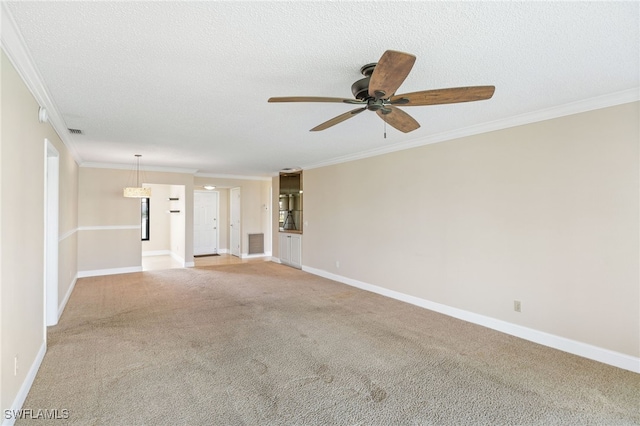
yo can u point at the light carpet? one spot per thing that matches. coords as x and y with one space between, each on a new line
264 344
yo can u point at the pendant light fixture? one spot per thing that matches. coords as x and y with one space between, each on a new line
138 191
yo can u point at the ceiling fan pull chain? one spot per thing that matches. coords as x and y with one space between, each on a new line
385 128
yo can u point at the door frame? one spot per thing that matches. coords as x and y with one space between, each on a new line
51 226
232 200
217 193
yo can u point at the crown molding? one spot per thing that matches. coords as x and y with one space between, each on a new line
146 168
194 172
598 102
15 48
241 177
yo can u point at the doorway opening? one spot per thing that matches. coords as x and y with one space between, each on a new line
163 227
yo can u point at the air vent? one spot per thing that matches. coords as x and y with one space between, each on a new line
256 244
75 131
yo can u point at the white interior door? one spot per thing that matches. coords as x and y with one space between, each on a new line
205 223
236 224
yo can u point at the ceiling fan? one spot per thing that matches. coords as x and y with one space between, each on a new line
376 92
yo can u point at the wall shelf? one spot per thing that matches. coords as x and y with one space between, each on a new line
290 202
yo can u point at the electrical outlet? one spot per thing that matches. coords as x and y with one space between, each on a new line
337 264
517 306
15 365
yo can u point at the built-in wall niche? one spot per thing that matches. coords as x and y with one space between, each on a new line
290 202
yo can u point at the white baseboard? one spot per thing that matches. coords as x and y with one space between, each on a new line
25 387
113 271
67 296
174 256
252 256
177 258
585 350
218 251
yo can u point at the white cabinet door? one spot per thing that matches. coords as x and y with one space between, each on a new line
291 250
295 253
285 249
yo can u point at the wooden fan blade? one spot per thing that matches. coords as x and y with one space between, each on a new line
389 73
314 99
444 96
338 119
399 119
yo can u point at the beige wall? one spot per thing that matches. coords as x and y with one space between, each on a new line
178 222
109 231
109 224
68 221
275 210
22 158
545 213
256 213
159 223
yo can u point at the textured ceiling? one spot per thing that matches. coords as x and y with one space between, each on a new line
186 84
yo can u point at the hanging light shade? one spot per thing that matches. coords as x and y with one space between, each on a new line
131 192
138 191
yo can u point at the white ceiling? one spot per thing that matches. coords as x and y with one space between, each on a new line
186 84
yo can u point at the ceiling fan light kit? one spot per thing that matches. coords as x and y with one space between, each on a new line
376 92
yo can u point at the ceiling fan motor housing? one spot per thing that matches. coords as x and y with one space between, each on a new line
360 88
